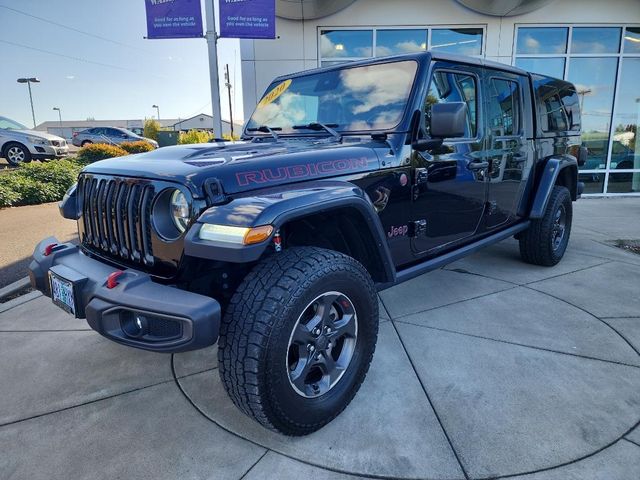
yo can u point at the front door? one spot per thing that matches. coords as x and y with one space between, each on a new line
508 152
449 191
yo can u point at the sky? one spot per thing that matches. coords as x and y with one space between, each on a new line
93 62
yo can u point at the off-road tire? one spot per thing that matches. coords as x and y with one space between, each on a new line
537 242
26 154
256 330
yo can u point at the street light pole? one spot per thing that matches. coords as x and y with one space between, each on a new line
157 109
59 115
29 81
228 85
212 40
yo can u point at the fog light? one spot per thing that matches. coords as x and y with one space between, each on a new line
135 325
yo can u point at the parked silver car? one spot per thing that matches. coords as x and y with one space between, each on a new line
112 135
19 144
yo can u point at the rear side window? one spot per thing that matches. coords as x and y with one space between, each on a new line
453 87
504 107
558 106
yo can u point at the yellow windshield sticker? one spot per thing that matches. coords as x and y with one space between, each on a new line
274 94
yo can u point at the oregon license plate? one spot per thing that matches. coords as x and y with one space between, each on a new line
62 293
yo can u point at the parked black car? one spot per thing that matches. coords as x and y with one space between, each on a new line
351 179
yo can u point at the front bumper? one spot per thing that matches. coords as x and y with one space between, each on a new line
48 151
137 312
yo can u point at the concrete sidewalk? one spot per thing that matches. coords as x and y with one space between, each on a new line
487 368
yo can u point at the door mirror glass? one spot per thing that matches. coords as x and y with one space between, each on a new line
448 120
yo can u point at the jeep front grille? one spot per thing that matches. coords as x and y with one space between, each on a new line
116 217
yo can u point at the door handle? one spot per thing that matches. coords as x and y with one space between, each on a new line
477 165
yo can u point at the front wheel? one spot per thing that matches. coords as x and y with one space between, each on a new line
15 153
298 337
545 241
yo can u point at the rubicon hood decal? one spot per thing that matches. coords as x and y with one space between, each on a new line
245 165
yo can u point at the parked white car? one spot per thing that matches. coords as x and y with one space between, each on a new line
18 144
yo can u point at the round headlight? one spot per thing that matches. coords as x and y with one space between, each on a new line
180 210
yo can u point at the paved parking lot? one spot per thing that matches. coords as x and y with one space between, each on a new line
489 368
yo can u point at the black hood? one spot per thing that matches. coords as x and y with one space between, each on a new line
243 166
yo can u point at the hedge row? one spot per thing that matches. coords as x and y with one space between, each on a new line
34 183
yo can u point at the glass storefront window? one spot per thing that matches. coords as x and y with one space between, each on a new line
594 40
392 42
464 41
625 151
593 182
552 67
346 43
595 80
542 40
632 40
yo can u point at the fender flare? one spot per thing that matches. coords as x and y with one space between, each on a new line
548 179
278 207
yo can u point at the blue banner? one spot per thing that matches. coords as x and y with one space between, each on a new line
248 18
174 18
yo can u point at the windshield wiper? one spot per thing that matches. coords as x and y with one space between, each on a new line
266 129
317 126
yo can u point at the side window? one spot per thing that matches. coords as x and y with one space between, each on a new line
553 114
453 87
504 107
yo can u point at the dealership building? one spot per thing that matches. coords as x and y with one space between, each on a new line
594 44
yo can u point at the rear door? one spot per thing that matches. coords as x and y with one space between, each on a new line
449 190
509 152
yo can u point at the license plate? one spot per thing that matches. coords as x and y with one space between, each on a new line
62 293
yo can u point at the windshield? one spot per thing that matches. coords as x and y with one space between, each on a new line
371 97
11 125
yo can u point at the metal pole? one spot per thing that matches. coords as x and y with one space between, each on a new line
60 118
228 85
33 114
212 40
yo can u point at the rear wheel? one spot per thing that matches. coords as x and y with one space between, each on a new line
545 241
85 143
298 337
16 153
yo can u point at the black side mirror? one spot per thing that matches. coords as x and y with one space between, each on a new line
448 120
424 144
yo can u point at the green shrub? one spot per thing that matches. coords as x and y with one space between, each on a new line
8 195
139 146
151 128
194 136
99 151
34 183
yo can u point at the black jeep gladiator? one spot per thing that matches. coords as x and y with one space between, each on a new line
350 179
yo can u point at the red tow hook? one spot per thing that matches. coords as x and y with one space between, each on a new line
112 279
49 248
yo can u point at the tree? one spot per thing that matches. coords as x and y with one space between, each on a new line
151 128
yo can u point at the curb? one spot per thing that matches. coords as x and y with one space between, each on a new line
14 287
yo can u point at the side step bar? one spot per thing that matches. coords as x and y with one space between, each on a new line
442 260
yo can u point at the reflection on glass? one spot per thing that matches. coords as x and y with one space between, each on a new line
552 67
392 42
594 79
632 40
593 182
465 41
542 40
504 107
371 97
346 43
595 40
625 152
624 182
